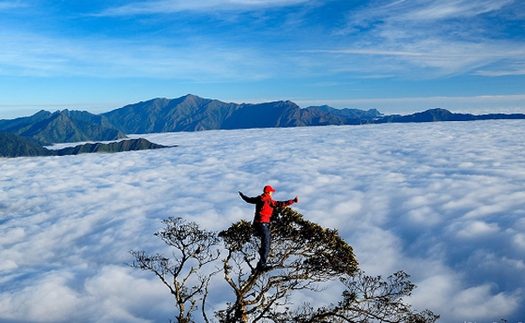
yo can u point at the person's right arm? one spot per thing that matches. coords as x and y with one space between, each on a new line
251 200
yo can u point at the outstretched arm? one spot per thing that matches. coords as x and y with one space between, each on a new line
247 199
286 203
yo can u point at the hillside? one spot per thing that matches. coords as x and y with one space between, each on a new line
62 126
189 113
12 145
192 113
435 115
348 113
114 147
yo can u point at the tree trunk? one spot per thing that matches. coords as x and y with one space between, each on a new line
240 313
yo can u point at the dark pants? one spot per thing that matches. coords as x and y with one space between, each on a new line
263 230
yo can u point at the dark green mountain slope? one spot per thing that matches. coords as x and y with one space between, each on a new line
12 145
62 126
120 146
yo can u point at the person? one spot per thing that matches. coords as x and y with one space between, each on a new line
264 206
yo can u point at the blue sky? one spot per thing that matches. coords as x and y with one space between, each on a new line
397 56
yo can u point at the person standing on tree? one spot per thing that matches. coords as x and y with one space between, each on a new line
264 205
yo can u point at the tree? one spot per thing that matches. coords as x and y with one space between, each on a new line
304 256
193 249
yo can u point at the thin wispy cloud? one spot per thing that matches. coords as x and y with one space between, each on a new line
446 58
173 6
7 5
444 37
425 12
431 11
44 56
442 201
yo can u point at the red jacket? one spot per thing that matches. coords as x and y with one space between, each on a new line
264 205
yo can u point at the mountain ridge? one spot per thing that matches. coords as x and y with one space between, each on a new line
193 113
12 145
47 128
440 115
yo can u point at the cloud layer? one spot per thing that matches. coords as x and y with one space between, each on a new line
443 201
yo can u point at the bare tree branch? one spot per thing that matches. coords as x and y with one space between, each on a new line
182 274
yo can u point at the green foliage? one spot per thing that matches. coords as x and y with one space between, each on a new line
319 249
239 236
297 244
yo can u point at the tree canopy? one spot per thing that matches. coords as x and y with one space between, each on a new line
303 254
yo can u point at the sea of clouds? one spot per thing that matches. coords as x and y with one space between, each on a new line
444 202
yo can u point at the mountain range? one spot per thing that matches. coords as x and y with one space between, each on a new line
193 113
187 113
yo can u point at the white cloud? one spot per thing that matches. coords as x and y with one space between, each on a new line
477 303
478 229
448 292
519 240
398 193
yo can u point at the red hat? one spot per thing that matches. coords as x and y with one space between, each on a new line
268 189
